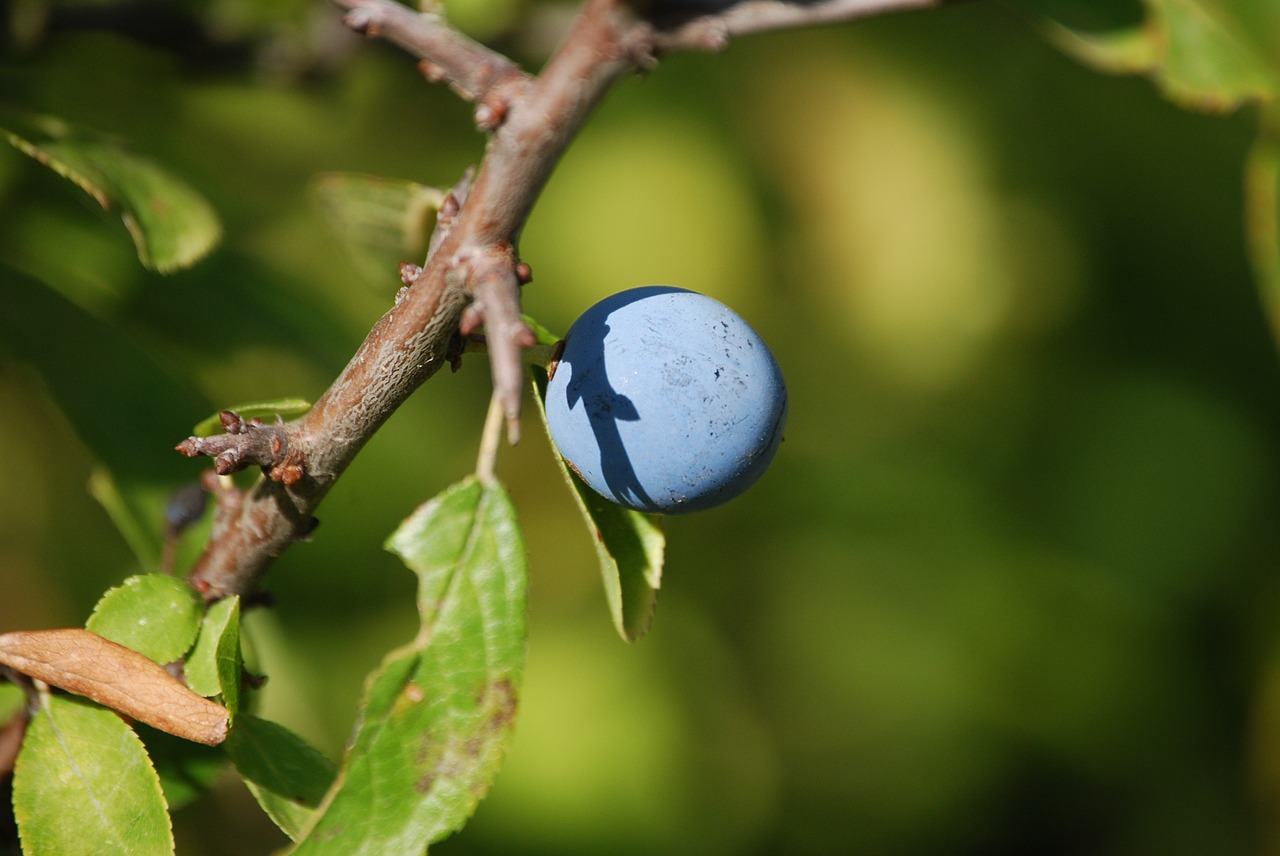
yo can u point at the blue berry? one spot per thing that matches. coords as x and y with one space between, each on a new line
664 400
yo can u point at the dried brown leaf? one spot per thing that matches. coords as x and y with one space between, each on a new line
120 678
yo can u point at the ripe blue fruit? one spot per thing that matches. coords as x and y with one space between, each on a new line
664 400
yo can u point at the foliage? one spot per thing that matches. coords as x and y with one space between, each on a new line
1028 474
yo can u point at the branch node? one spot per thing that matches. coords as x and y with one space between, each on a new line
227 462
409 272
288 474
432 72
491 113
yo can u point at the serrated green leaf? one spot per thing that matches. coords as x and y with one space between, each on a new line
379 221
286 774
154 614
629 544
83 785
172 225
1262 215
282 407
215 664
436 717
1208 55
186 769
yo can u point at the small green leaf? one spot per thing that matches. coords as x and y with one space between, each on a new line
172 225
83 785
282 407
12 700
379 221
629 544
215 663
436 717
154 614
286 774
1207 55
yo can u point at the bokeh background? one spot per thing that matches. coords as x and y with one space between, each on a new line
1011 585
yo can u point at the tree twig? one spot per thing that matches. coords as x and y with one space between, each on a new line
472 274
472 70
695 28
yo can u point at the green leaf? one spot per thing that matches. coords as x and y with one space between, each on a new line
544 336
84 785
122 402
379 221
12 700
215 664
154 614
282 407
172 225
1207 55
286 774
436 717
629 544
1262 214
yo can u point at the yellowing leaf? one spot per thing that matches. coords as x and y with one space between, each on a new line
120 678
437 715
83 785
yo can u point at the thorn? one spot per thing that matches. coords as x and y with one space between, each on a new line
449 207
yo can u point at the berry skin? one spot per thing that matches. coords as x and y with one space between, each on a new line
665 401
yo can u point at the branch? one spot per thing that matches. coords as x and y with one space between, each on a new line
447 56
698 29
472 274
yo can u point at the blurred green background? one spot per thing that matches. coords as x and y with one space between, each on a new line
1010 585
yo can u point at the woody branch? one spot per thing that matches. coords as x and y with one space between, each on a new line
473 274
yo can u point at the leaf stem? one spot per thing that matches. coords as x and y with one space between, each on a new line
490 440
